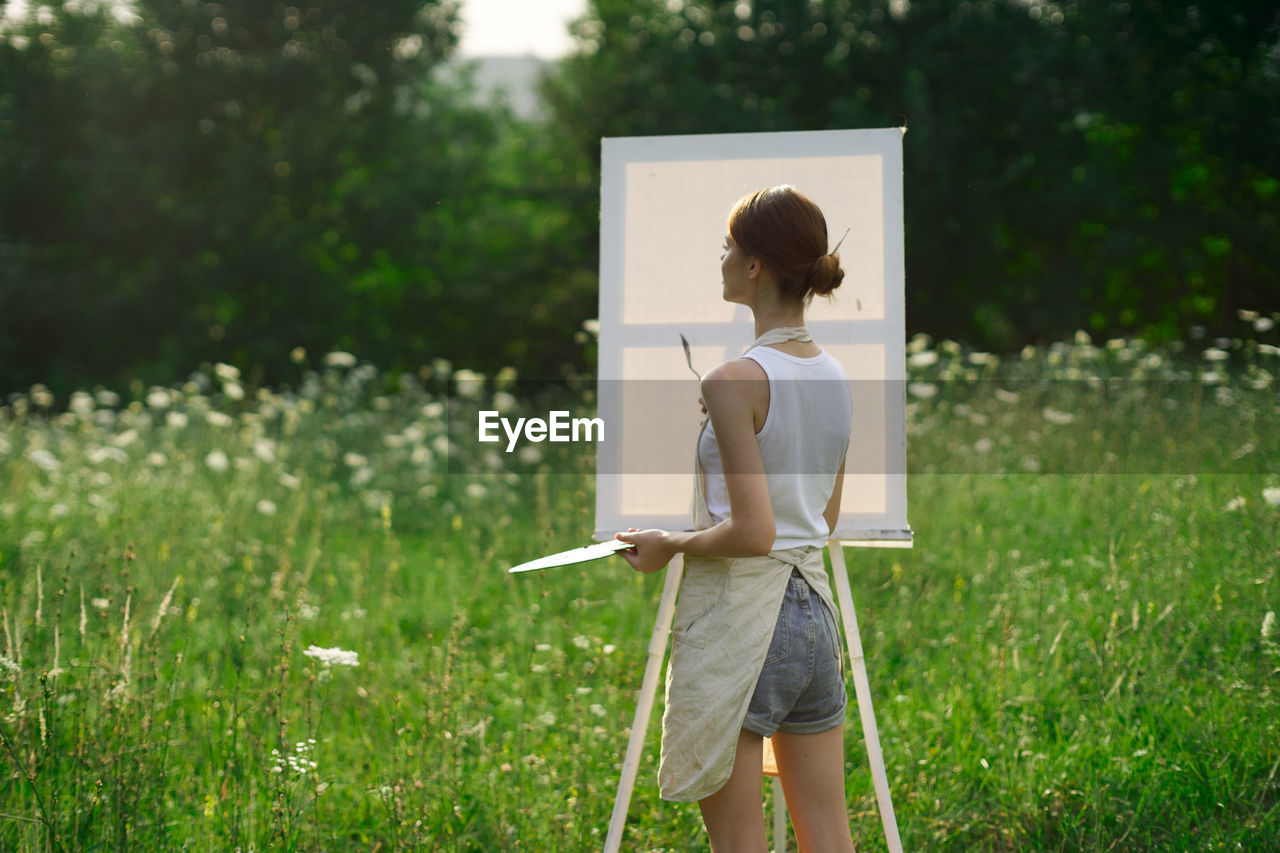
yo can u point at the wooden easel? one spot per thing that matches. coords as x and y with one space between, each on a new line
649 688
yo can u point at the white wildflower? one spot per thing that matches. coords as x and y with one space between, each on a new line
505 377
547 719
476 490
609 649
217 461
1004 396
41 396
339 359
1215 354
919 342
581 642
266 507
298 762
441 367
1271 496
289 481
176 420
598 710
334 656
354 460
218 419
125 438
81 403
44 460
107 398
100 603
433 410
984 445
226 372
1054 416
924 390
156 459
924 358
469 382
1269 625
1263 324
8 664
233 390
264 449
529 455
158 398
504 401
101 454
1236 504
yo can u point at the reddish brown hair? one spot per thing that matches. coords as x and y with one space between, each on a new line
787 232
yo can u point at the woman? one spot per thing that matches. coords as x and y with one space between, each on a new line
756 649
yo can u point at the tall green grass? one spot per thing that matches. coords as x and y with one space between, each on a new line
1076 655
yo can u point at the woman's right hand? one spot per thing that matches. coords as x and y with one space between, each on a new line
652 549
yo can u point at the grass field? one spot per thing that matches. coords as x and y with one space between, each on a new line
1080 653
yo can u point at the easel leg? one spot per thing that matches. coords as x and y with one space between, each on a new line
644 707
779 817
862 687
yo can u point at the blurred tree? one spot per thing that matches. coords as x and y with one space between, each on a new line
1074 165
194 181
230 180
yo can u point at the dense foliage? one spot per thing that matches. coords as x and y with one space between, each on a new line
1104 166
197 182
229 181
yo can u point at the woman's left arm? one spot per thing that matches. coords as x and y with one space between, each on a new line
733 392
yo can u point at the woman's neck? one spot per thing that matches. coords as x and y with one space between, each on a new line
777 316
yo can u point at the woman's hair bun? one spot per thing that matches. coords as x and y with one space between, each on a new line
825 276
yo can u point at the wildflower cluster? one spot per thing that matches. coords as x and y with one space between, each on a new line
298 761
333 657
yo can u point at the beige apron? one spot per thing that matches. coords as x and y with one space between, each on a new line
724 621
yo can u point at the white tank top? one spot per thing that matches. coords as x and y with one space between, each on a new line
803 441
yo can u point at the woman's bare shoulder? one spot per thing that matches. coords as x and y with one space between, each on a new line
736 370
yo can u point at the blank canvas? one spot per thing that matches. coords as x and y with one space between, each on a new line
664 205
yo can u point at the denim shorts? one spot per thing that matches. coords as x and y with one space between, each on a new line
801 688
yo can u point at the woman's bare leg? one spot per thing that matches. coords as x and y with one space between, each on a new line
812 771
734 815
